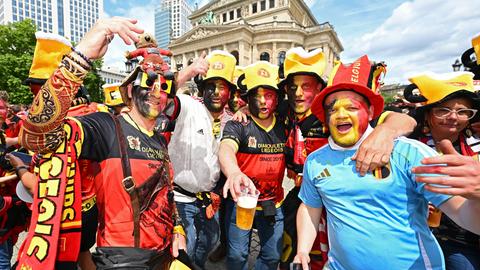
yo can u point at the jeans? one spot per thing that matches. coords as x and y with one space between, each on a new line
202 233
460 257
271 240
6 251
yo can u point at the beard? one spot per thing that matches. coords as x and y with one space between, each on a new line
140 98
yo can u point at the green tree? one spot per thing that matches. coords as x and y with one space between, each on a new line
93 82
388 97
17 44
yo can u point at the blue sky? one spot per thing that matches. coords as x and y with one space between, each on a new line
410 36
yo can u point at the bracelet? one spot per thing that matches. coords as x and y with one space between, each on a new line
22 167
179 229
83 56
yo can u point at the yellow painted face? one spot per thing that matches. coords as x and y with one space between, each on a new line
347 117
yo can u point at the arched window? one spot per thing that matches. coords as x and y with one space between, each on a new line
265 56
235 53
281 57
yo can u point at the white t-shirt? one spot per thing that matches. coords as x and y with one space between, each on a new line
193 148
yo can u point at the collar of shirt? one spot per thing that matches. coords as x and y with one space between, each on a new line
337 147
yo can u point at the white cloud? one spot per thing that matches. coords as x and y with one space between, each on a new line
116 51
201 3
310 3
421 35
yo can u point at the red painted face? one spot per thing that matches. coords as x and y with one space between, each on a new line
347 115
262 103
301 91
3 110
35 88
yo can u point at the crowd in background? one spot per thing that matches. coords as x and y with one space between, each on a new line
154 176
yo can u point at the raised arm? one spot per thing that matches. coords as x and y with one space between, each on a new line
42 130
198 67
375 150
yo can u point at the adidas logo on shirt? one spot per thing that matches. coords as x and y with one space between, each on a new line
324 174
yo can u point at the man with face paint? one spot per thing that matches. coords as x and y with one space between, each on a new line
378 221
193 150
253 151
303 82
236 102
134 171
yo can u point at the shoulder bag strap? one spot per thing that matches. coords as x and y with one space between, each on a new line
128 182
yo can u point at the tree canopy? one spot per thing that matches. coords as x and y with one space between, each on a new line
17 45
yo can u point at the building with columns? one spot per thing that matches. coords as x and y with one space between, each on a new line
255 30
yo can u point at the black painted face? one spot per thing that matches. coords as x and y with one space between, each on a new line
215 95
235 102
150 103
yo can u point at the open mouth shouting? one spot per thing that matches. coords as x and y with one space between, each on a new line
153 102
344 128
264 110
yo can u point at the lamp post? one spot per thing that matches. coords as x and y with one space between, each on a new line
130 65
457 65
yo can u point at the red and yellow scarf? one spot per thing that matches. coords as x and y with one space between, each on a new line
55 229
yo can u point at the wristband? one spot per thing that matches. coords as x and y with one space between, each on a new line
179 229
23 167
83 56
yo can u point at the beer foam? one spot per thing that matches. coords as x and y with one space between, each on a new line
247 202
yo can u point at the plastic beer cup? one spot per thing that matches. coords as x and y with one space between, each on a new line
246 205
434 218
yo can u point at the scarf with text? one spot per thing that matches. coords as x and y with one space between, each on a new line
55 228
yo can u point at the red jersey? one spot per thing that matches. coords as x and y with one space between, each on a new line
260 155
151 171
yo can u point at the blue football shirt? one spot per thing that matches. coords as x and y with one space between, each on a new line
378 221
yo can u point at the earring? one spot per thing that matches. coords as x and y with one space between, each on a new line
425 129
468 132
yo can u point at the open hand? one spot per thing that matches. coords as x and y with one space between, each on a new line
457 174
95 42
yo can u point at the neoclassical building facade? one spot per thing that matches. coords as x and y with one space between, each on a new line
255 30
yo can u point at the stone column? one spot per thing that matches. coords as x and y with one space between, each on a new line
241 53
274 56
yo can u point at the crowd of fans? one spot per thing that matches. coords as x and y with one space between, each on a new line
152 177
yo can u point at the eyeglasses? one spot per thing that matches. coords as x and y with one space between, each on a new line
462 114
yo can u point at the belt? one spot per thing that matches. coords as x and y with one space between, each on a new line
277 205
89 203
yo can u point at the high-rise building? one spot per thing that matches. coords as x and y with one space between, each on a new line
171 21
69 18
